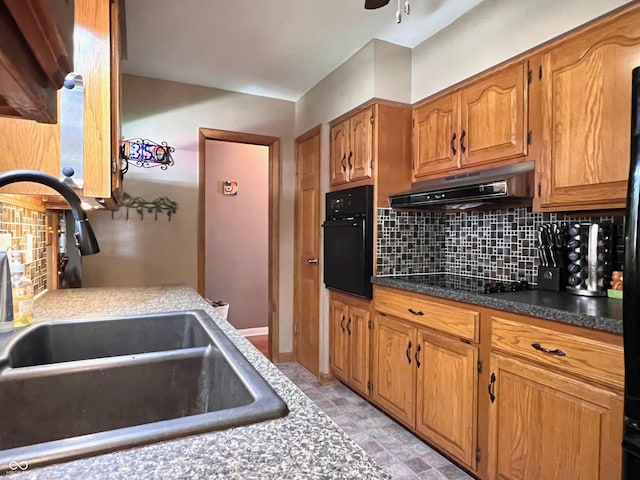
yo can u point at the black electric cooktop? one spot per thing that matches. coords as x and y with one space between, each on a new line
467 283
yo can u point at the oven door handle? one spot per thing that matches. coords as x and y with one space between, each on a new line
342 223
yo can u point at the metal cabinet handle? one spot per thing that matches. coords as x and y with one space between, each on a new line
417 356
343 161
492 382
462 147
453 143
540 348
342 323
349 326
408 352
419 312
312 260
349 160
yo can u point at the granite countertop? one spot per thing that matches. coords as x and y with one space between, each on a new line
600 313
306 444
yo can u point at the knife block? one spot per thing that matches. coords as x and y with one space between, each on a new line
552 278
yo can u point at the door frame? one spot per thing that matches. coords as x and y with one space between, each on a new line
274 220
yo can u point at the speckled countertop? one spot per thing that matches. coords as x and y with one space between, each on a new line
600 313
306 444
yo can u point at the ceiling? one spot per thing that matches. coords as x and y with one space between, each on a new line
274 48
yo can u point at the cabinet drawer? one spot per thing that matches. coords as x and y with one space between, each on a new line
592 359
419 309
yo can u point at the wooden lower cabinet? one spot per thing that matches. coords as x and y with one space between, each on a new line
447 385
547 426
349 341
428 381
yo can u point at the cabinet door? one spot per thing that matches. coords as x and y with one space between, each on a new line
394 367
339 340
358 332
339 149
360 157
436 146
494 117
587 107
547 426
447 382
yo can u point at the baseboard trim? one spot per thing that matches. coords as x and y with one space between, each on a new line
284 357
326 379
254 332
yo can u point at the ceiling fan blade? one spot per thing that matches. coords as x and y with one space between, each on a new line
373 4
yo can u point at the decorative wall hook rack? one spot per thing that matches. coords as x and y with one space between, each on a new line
140 205
145 153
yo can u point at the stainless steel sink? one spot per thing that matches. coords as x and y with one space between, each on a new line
77 388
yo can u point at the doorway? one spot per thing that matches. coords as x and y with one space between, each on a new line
273 145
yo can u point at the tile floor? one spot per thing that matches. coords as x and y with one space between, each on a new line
401 453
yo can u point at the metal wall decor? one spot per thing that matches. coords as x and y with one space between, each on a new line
140 205
145 153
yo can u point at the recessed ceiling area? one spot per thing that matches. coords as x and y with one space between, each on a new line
274 48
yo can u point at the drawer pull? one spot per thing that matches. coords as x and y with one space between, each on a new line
540 348
418 349
408 352
419 312
492 382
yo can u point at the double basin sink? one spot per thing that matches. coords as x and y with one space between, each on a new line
75 388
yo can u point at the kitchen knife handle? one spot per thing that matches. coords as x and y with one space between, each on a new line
462 147
453 144
540 348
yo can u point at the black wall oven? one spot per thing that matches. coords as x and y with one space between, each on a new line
348 241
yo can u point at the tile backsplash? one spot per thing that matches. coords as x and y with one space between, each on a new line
499 244
21 222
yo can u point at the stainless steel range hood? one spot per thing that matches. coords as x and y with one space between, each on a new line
510 184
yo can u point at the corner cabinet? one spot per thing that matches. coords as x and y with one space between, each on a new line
349 341
425 369
586 100
555 407
35 146
485 122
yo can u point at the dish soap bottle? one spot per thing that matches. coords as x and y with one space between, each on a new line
22 288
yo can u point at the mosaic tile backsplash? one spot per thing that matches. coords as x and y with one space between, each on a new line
497 244
20 222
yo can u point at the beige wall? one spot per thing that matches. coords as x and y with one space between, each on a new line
237 231
492 32
146 252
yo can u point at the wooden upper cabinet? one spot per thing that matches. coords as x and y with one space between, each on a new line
494 117
36 146
352 148
436 126
486 121
586 113
36 53
339 150
360 158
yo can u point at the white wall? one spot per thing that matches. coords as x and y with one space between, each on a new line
491 33
146 252
237 231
